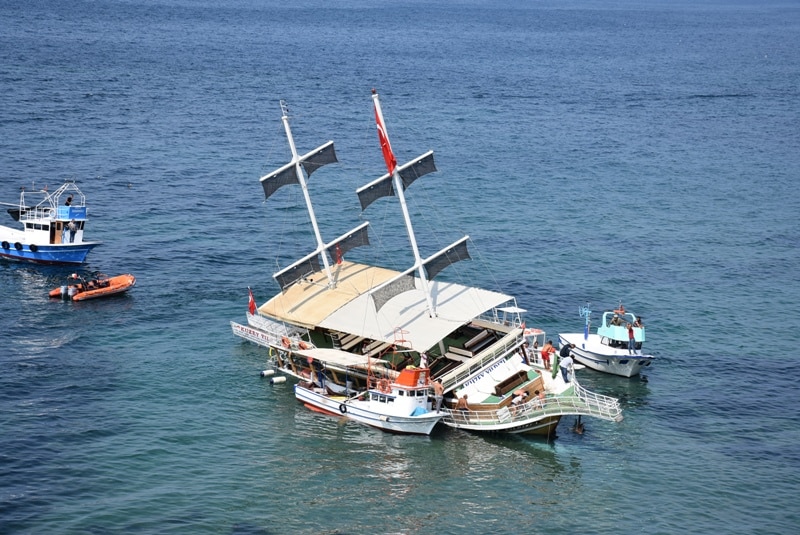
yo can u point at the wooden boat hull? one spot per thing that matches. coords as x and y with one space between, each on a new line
110 286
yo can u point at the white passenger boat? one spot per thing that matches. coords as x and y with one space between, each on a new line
399 405
608 350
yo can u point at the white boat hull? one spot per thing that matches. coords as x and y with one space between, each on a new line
365 413
593 354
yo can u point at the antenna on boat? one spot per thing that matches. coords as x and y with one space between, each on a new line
391 165
296 160
587 315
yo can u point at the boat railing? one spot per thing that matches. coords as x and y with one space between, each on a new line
476 364
36 213
276 333
605 407
583 403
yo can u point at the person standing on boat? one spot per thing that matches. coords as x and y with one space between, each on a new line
547 350
631 340
423 360
566 350
68 201
73 228
438 393
566 367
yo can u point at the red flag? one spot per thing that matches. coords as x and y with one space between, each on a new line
251 303
386 148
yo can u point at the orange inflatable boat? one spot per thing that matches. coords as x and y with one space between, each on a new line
81 289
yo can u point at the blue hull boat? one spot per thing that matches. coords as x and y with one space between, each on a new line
52 227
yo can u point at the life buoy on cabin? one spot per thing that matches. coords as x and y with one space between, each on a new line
18 246
285 342
303 345
343 408
383 385
33 248
5 245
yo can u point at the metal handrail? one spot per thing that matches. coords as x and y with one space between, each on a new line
583 403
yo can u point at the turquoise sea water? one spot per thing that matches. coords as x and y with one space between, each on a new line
642 152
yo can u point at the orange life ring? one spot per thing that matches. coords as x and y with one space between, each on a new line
285 342
303 345
383 385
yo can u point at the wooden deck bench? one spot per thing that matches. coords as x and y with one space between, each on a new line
456 357
462 352
477 338
352 342
376 349
508 385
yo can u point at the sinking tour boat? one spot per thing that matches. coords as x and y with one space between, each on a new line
519 395
332 314
52 227
399 405
79 288
607 349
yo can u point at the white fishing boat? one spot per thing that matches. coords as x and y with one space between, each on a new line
399 405
332 312
52 227
609 349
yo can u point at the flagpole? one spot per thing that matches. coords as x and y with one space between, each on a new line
301 179
391 165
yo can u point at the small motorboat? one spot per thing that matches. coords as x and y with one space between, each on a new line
608 350
79 288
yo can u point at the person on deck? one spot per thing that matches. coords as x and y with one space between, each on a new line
566 367
547 351
631 340
73 228
438 393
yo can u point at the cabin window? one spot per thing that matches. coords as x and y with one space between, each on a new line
401 393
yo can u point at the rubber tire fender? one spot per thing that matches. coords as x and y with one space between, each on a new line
343 408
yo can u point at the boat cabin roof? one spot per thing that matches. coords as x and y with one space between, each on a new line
348 307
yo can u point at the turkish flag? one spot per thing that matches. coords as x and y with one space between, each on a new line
251 303
386 148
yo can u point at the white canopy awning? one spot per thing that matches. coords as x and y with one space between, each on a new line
404 319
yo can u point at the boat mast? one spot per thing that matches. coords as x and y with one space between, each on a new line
398 188
301 179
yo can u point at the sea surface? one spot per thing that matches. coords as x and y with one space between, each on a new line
601 152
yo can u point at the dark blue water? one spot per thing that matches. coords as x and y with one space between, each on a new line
642 152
